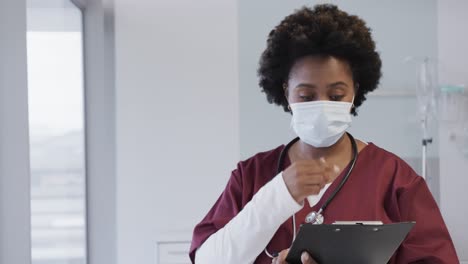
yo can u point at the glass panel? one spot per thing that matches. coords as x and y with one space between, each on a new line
56 120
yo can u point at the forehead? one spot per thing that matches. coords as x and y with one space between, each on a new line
320 69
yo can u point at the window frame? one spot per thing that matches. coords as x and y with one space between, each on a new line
100 144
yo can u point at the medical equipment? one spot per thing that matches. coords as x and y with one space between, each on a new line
315 217
426 89
453 112
451 103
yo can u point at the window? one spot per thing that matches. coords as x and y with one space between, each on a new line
56 121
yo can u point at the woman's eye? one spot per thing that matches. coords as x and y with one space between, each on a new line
306 97
336 97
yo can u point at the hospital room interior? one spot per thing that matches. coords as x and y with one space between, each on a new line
122 121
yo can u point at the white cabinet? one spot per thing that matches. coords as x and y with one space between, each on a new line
173 248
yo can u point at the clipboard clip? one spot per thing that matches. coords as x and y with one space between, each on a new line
358 223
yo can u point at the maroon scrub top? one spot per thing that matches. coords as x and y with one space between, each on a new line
382 187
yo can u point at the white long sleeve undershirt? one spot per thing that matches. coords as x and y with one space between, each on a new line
247 234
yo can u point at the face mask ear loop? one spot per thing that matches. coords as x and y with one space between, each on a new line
354 96
352 104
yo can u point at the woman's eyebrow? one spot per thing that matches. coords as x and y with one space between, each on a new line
337 84
306 85
313 86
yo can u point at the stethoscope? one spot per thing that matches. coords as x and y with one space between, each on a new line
315 218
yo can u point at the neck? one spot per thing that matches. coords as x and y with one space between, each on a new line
307 151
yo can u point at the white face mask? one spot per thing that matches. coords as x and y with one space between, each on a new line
321 123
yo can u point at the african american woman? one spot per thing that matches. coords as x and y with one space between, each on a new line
319 65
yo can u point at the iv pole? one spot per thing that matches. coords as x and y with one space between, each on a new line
426 87
425 141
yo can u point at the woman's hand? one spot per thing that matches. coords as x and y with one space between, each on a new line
281 259
306 177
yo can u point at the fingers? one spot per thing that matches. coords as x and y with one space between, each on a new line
330 171
308 177
307 259
281 259
313 189
282 256
314 167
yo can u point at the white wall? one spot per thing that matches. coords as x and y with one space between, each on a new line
177 116
453 40
15 245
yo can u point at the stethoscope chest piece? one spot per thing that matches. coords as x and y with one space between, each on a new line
314 218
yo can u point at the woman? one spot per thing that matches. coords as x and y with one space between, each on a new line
319 65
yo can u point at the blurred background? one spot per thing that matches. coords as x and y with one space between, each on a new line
121 121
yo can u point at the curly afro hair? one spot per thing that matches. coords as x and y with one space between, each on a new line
324 30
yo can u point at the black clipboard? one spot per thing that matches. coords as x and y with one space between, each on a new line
356 243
